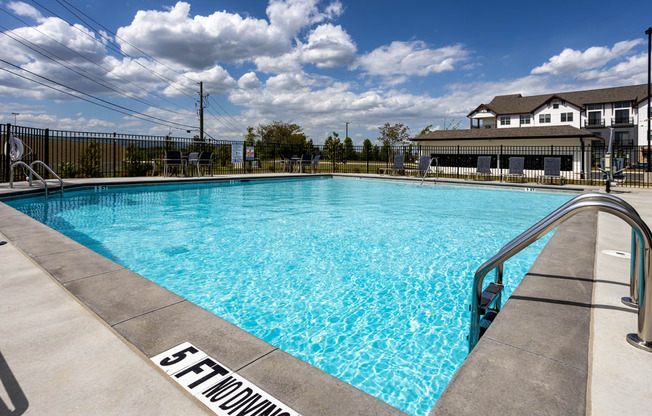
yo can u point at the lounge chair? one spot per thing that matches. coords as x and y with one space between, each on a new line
424 165
551 170
314 163
173 159
516 165
203 159
398 165
484 167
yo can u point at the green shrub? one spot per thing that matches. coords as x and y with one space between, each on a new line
89 162
66 170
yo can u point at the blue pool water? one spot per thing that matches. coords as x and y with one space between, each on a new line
369 281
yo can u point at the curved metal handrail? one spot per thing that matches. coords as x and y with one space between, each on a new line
637 257
19 163
619 208
31 165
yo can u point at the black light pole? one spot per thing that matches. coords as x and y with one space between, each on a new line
649 109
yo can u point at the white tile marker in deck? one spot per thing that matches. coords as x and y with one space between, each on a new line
220 389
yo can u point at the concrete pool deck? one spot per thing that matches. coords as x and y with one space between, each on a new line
66 350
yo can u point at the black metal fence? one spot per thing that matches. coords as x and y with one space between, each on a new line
81 154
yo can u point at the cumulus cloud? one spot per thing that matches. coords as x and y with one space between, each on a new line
24 9
411 58
328 46
201 41
249 81
571 61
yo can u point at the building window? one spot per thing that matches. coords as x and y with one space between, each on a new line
623 104
555 105
505 121
566 117
594 107
621 138
622 116
544 118
525 119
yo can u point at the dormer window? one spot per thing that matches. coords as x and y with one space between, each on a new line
555 105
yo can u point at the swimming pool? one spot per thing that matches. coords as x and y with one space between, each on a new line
367 280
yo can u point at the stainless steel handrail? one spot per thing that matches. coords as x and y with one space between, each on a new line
619 208
427 169
31 165
19 163
637 257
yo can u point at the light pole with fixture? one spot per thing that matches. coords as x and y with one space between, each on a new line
649 109
15 114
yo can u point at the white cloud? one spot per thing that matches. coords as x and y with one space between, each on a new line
329 46
201 41
571 61
629 72
289 62
249 81
411 58
24 9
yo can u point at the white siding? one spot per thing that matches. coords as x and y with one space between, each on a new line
641 123
555 114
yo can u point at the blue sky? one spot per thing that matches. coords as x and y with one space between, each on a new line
319 64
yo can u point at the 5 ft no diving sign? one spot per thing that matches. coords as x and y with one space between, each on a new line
223 391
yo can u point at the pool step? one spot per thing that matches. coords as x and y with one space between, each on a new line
489 296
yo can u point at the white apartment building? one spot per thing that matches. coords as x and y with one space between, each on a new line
624 109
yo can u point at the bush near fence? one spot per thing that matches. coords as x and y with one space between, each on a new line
82 154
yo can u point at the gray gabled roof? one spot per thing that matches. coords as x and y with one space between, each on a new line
538 132
517 104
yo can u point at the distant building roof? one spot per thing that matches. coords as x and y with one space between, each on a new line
517 104
507 133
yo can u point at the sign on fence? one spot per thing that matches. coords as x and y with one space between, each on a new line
250 153
236 152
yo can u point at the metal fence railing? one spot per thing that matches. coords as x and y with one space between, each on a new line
80 154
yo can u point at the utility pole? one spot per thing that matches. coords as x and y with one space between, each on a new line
347 130
201 111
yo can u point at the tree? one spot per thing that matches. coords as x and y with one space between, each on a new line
451 126
425 130
283 138
366 149
250 137
392 135
349 151
333 150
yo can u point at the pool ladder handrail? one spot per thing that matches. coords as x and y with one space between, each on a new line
31 171
585 202
428 168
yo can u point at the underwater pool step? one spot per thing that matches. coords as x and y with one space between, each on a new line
489 296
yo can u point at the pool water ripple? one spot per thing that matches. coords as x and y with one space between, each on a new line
367 280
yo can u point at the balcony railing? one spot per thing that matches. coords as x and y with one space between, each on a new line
622 122
594 124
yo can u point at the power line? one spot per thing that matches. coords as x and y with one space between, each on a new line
88 59
140 115
125 41
115 49
227 113
77 70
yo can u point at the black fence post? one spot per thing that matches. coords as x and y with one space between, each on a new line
458 161
46 152
115 156
5 158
